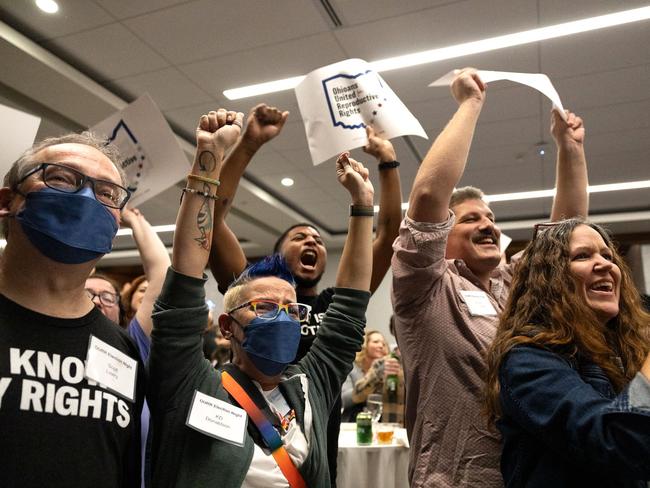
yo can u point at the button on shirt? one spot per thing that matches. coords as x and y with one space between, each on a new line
443 347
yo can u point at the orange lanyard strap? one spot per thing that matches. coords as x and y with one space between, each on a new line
269 434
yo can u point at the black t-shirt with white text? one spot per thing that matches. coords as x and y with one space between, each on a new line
59 429
318 304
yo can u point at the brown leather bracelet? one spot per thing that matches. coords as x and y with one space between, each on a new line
362 211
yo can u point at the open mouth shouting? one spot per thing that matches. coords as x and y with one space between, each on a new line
486 240
308 259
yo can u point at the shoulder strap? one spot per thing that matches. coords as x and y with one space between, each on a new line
240 393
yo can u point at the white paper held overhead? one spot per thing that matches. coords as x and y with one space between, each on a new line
338 101
538 81
151 156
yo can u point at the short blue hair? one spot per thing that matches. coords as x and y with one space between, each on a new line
274 265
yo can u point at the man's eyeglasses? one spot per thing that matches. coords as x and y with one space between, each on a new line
68 180
106 298
269 310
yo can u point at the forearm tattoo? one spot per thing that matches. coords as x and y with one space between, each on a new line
204 222
207 162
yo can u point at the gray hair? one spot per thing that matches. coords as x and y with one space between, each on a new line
27 161
463 194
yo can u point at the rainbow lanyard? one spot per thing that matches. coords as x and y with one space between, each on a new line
269 434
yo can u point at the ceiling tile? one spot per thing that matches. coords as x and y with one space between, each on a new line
205 29
557 11
615 48
108 52
437 27
273 61
354 12
122 9
168 87
73 16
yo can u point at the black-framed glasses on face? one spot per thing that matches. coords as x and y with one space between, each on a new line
63 178
542 227
267 309
106 298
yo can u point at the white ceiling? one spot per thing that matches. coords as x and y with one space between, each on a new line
78 66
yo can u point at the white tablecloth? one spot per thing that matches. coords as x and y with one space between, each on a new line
374 466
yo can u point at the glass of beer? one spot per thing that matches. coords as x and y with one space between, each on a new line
385 434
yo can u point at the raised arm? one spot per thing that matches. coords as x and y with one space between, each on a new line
444 164
155 261
571 199
390 205
215 133
355 267
227 259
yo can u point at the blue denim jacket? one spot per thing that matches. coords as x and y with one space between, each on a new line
564 426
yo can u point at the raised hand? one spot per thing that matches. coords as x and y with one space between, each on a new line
354 178
468 85
219 129
129 216
378 147
567 134
263 124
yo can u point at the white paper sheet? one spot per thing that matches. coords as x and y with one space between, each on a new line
17 132
151 156
338 101
538 81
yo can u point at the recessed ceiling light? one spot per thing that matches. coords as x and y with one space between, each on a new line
287 181
48 6
464 49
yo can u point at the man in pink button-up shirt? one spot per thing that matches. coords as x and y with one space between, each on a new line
448 289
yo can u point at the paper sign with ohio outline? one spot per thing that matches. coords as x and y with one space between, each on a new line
150 154
338 101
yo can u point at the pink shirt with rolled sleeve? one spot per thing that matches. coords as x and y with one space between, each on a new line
443 347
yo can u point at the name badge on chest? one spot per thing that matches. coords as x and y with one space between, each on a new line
111 368
218 419
478 303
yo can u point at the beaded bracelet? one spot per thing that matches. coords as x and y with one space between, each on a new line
388 165
199 192
203 179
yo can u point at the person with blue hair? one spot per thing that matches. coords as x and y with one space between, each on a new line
261 421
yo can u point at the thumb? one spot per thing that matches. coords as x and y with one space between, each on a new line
370 131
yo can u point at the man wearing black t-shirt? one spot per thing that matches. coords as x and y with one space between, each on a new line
301 245
71 386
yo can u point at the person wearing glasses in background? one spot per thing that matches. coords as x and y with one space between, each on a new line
448 289
60 206
103 292
569 370
199 413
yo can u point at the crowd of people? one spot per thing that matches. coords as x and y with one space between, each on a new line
532 372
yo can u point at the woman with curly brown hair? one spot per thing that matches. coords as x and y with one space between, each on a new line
569 370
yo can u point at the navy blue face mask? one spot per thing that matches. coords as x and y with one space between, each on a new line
70 228
272 344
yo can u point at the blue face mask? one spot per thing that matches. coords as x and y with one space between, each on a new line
69 228
272 344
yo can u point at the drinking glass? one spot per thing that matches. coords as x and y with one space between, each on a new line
374 406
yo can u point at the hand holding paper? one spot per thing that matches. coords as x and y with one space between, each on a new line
378 147
568 133
538 81
467 85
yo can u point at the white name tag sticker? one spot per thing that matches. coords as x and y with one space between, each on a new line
217 419
478 302
111 368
